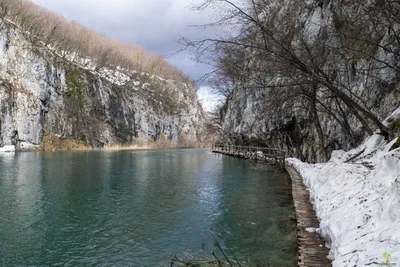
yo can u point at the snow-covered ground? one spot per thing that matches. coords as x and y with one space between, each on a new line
356 196
7 149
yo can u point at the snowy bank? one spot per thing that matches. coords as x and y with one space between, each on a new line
5 149
356 196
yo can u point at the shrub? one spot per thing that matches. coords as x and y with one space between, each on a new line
75 86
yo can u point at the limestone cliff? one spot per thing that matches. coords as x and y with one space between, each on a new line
43 93
248 118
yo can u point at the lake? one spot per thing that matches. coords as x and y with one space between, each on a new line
141 208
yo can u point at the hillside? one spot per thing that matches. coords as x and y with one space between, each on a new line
48 92
73 40
308 77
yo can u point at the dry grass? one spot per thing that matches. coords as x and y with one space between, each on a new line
193 260
124 147
214 260
162 142
185 141
53 143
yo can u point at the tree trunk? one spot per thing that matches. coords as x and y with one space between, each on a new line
317 122
355 108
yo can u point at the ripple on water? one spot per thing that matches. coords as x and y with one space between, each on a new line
140 208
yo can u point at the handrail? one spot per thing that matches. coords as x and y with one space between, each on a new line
247 147
274 155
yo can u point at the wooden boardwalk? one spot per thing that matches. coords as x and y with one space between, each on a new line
311 246
255 154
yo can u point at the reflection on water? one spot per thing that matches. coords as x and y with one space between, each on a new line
140 208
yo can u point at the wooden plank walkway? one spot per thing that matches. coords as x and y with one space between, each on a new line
255 154
311 246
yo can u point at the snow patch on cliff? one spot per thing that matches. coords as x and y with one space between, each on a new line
35 99
356 196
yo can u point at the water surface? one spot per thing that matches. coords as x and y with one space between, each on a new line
140 208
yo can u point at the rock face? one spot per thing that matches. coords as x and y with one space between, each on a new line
248 120
42 93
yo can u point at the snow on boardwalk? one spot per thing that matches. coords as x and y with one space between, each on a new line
311 247
356 196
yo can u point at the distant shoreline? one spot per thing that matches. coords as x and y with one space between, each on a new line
80 149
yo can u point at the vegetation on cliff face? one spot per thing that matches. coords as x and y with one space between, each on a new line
396 144
54 143
75 84
323 59
70 82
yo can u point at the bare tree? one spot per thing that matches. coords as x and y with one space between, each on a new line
73 41
280 55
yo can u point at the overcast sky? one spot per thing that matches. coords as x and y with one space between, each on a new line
154 24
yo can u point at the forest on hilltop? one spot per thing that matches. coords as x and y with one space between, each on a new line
75 41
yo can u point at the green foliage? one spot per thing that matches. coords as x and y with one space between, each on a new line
75 84
22 17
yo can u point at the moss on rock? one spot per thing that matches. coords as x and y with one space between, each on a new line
75 84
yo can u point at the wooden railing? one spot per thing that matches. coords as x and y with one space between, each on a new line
266 154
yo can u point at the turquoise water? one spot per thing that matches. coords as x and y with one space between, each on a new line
140 208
